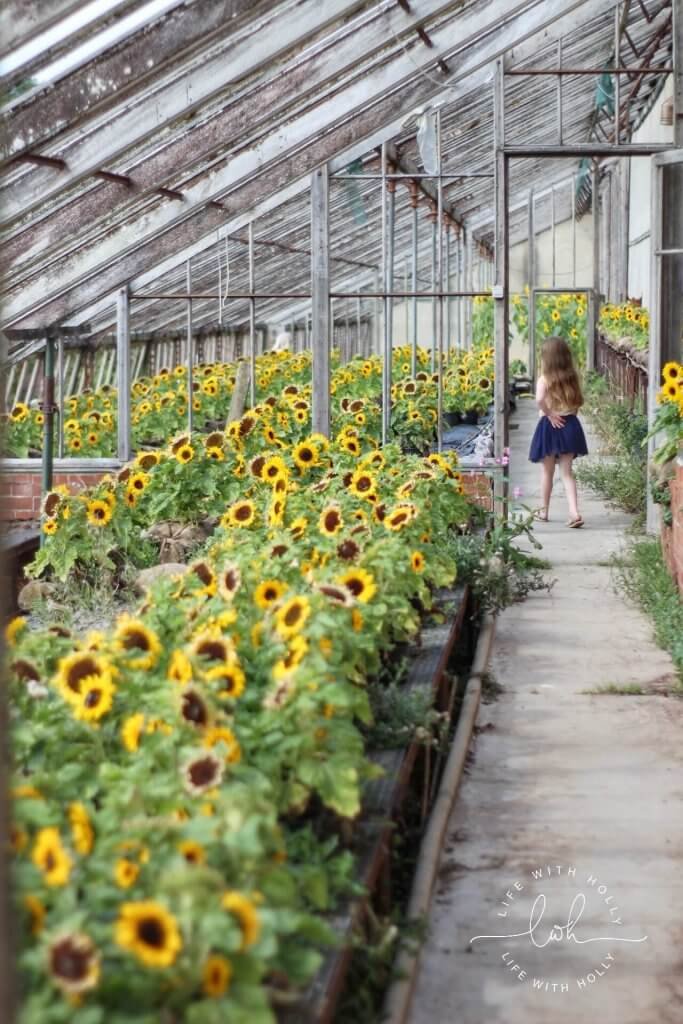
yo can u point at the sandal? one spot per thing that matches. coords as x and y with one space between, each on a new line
575 524
542 515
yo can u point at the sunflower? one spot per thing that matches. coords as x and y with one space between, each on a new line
99 512
37 913
194 853
268 592
50 527
417 561
147 460
193 708
330 521
359 583
138 481
216 976
230 677
305 454
400 517
81 829
339 595
205 574
96 700
125 872
184 454
79 671
243 909
137 641
202 772
298 527
221 734
73 963
131 730
211 644
273 469
149 931
13 628
229 581
241 513
50 857
672 372
19 412
290 618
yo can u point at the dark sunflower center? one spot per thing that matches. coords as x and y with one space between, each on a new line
205 575
50 861
203 772
25 670
293 615
355 585
230 580
212 649
334 593
135 639
348 549
364 483
305 454
151 932
270 593
399 519
81 670
242 513
332 520
92 698
69 962
194 709
279 549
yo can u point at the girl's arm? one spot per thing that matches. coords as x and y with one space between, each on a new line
541 390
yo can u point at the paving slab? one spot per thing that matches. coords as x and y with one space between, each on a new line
569 825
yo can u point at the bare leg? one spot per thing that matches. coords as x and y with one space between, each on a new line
569 484
547 481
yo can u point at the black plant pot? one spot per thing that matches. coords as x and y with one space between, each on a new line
452 418
471 417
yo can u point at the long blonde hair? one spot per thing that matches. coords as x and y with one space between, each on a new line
562 380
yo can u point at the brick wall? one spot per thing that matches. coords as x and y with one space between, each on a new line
479 488
20 491
672 536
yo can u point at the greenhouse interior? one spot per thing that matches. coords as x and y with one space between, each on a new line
341 511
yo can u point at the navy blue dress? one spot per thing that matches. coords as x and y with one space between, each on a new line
550 440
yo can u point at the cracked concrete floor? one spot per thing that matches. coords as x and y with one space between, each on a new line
584 789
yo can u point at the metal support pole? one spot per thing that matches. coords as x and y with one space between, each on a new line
617 64
552 234
378 305
220 285
447 275
60 397
559 92
124 446
678 74
320 290
388 268
573 186
190 348
252 320
655 341
624 218
359 348
467 277
531 234
413 340
48 412
501 311
434 259
592 332
406 308
439 279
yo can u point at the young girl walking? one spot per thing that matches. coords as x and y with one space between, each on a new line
559 435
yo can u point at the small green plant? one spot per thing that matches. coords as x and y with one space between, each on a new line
617 689
401 715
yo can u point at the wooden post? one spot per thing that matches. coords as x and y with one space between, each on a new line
320 292
239 393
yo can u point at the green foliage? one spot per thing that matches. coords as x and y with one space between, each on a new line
645 579
622 477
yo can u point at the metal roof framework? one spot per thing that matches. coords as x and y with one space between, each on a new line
164 148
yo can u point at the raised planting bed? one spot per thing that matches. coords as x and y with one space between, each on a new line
383 800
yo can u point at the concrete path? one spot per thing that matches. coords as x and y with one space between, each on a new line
586 789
